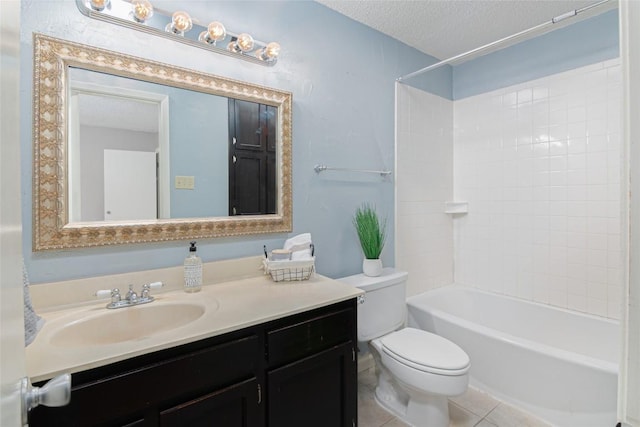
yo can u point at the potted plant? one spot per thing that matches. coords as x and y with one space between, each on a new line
372 234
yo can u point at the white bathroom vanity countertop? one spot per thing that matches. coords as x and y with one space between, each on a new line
228 306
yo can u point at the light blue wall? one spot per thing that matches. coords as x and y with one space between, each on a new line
583 43
342 78
201 152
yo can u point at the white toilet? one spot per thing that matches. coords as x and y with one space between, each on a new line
416 370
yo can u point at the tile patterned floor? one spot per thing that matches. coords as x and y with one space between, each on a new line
472 409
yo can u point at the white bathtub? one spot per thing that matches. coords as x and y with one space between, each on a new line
559 365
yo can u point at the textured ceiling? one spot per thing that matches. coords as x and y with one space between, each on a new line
118 113
444 28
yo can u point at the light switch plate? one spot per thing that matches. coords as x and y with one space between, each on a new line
185 182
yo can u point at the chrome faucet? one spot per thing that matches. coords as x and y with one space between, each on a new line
131 298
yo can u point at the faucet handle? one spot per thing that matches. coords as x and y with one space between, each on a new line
114 294
155 285
108 293
103 293
148 286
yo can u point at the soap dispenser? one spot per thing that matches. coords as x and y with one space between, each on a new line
192 270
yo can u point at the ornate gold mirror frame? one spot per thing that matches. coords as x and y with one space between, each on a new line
51 226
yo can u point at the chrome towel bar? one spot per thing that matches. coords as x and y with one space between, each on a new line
321 168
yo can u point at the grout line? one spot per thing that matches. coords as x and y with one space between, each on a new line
474 409
487 414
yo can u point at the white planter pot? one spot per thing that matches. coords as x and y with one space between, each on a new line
372 267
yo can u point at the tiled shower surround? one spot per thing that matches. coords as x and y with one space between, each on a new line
424 180
540 165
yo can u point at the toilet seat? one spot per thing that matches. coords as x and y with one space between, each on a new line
425 352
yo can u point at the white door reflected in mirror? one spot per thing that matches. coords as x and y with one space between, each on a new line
108 119
129 185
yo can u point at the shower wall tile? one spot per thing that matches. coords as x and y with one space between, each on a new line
424 182
540 165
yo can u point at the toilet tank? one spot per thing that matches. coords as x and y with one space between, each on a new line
384 308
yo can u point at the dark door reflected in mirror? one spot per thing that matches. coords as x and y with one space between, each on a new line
252 158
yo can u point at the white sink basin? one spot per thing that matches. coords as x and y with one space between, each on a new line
128 324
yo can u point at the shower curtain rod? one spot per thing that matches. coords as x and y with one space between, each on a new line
554 20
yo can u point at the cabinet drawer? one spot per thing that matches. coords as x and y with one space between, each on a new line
236 405
118 399
294 341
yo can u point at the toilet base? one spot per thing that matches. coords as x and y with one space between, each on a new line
432 411
428 410
391 397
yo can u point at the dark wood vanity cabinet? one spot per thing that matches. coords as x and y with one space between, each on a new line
312 371
297 371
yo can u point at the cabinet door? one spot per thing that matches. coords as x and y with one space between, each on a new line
234 406
317 391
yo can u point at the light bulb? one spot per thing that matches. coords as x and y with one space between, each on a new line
244 42
99 5
142 10
180 22
270 52
215 32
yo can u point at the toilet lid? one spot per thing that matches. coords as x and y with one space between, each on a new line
426 351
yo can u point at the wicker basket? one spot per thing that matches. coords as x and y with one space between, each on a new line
288 271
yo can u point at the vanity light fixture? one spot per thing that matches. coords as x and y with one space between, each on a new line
141 10
180 23
214 33
136 14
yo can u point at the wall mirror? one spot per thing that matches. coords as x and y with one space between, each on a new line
211 156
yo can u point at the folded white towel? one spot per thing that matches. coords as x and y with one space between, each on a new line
301 255
299 242
300 247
